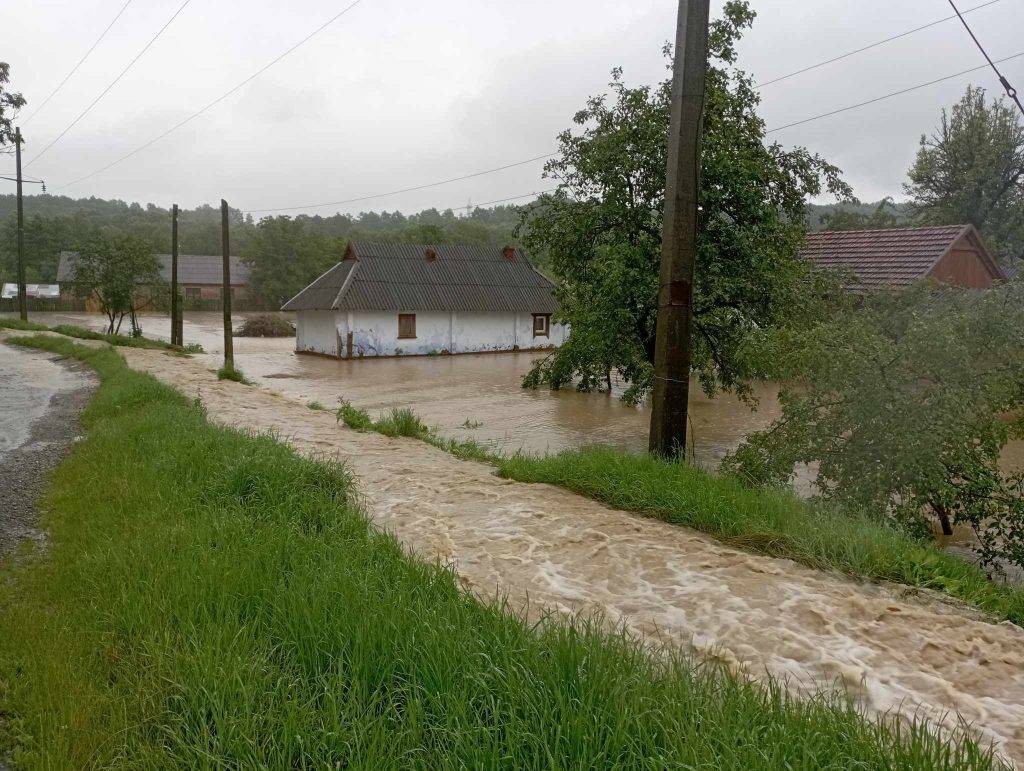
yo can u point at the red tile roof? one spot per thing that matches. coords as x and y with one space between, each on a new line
880 258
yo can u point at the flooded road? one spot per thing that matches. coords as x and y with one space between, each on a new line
897 652
468 396
28 381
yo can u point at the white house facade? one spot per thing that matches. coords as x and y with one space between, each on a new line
412 300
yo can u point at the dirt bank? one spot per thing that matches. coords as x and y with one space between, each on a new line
894 651
46 398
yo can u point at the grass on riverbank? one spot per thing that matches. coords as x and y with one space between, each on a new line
776 523
81 333
211 599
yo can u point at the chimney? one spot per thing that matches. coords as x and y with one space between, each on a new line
431 254
509 253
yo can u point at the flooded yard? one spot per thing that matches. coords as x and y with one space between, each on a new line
470 396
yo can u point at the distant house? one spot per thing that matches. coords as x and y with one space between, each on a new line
876 259
404 299
200 276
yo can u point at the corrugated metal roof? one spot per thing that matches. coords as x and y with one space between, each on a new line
397 277
192 269
879 258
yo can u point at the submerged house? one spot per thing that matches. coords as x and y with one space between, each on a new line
876 259
407 300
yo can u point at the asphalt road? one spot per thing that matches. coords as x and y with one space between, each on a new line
41 397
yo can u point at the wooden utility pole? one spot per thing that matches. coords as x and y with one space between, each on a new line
22 292
672 352
229 351
175 303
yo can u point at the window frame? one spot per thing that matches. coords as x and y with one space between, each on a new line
407 317
546 319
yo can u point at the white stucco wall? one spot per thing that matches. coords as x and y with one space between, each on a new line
376 333
315 331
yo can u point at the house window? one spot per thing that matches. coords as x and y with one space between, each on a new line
406 326
541 324
193 291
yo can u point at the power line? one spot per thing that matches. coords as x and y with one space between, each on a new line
112 84
216 101
404 189
889 96
871 45
75 68
549 155
1010 90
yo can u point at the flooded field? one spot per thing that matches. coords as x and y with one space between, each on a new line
472 396
468 396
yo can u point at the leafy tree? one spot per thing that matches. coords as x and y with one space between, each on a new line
971 170
45 239
122 274
884 215
601 229
286 255
10 103
902 400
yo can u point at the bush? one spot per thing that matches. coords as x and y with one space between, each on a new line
230 373
266 325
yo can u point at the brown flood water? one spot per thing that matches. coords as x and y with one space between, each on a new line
475 397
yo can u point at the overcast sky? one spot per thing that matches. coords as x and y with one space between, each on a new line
398 93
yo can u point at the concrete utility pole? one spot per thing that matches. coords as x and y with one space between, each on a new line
229 351
22 292
175 304
679 233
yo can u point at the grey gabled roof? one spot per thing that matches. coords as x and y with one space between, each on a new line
192 269
400 277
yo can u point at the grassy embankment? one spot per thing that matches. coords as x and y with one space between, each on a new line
210 599
776 523
87 334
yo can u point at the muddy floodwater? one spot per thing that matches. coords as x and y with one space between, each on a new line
472 396
467 396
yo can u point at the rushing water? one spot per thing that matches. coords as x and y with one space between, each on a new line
472 396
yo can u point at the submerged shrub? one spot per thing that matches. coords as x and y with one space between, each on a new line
266 325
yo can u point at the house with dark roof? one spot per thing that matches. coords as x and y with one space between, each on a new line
407 300
877 259
200 276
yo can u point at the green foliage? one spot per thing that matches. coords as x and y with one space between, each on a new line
601 230
886 214
231 373
265 325
121 273
401 422
903 402
972 171
285 255
10 103
397 422
353 417
16 323
315 405
211 599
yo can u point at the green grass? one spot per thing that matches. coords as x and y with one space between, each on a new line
397 422
231 373
209 599
81 333
776 523
315 405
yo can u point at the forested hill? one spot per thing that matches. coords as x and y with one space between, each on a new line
55 223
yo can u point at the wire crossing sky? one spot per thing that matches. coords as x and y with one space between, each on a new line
402 94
